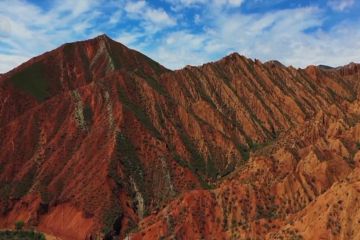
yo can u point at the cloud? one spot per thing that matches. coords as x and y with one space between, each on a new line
11 61
178 5
181 32
153 19
30 30
159 16
236 3
231 3
135 7
282 35
180 48
129 38
340 5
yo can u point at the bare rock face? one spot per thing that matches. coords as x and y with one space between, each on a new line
98 140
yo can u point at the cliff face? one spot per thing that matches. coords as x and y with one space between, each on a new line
98 138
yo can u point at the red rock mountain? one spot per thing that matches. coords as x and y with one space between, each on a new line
100 141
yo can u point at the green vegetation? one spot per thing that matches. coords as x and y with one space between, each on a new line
255 146
245 153
211 169
153 83
5 190
112 172
5 193
21 235
332 93
88 115
154 65
126 154
32 81
45 195
110 216
139 113
19 225
23 186
198 165
198 162
180 161
269 212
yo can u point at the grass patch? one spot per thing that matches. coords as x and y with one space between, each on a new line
139 113
180 161
112 172
245 153
110 216
211 169
88 115
21 235
23 186
197 165
126 155
153 83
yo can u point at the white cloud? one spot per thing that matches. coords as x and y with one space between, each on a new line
29 30
129 38
115 17
179 4
159 16
5 26
280 35
340 5
152 19
191 2
176 38
197 19
216 4
135 7
230 3
236 3
180 48
11 61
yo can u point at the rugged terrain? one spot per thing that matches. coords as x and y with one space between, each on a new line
99 140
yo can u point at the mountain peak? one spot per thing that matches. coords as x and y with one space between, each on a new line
102 37
234 57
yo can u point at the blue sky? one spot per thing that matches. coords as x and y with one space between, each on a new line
188 32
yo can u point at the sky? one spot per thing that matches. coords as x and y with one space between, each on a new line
177 33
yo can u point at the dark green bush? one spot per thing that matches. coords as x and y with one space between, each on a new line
23 186
88 115
21 235
19 225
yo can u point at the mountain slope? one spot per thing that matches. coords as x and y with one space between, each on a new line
98 138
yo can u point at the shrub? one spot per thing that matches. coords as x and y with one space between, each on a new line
358 145
21 235
22 187
88 115
19 225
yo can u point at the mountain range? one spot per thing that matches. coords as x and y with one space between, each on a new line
98 141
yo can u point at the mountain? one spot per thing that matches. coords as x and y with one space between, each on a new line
100 141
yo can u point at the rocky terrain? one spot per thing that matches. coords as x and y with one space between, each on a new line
99 141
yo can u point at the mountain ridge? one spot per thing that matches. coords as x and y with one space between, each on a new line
125 147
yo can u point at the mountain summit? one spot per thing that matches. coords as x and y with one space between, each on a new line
100 141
